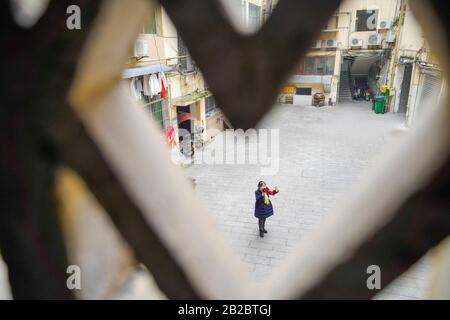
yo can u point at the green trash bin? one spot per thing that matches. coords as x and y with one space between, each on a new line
379 103
386 99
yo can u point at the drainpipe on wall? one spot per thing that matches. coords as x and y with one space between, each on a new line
395 50
411 107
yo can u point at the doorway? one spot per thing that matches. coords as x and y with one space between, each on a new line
404 93
185 129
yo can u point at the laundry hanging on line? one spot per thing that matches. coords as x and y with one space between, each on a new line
155 85
136 88
149 85
146 84
162 79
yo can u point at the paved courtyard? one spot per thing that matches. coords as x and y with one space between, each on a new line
323 152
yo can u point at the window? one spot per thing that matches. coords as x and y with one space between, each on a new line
309 66
186 61
316 66
156 109
254 16
333 23
329 65
237 10
210 104
151 26
304 91
366 20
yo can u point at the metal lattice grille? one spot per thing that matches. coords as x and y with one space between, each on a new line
83 116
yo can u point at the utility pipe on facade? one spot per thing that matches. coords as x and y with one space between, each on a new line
395 49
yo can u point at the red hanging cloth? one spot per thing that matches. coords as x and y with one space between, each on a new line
163 89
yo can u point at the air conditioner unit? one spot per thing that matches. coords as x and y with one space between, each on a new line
384 24
374 40
141 48
330 44
356 43
317 44
390 36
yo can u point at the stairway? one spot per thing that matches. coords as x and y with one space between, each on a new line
345 93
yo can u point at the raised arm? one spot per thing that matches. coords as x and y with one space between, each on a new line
271 192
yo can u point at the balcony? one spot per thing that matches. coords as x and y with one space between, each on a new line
332 25
330 30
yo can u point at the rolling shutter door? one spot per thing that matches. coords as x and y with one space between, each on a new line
431 88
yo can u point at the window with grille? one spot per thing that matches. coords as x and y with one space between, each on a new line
316 66
156 109
210 104
185 59
254 16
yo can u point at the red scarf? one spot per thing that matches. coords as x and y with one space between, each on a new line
266 197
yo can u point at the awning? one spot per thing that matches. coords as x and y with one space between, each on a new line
184 116
140 71
190 98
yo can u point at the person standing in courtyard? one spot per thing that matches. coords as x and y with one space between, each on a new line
263 206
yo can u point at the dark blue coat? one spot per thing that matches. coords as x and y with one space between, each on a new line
262 210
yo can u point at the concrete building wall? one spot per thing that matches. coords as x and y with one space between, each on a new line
411 37
214 125
163 49
238 13
170 37
413 48
342 28
387 10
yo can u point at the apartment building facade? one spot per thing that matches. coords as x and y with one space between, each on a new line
353 47
418 81
368 44
164 77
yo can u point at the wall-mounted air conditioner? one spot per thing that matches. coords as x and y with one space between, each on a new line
374 40
384 24
356 43
390 36
330 43
141 48
317 44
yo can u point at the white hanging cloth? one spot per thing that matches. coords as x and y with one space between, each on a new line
155 85
147 89
162 79
134 92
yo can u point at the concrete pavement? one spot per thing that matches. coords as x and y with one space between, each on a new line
323 152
